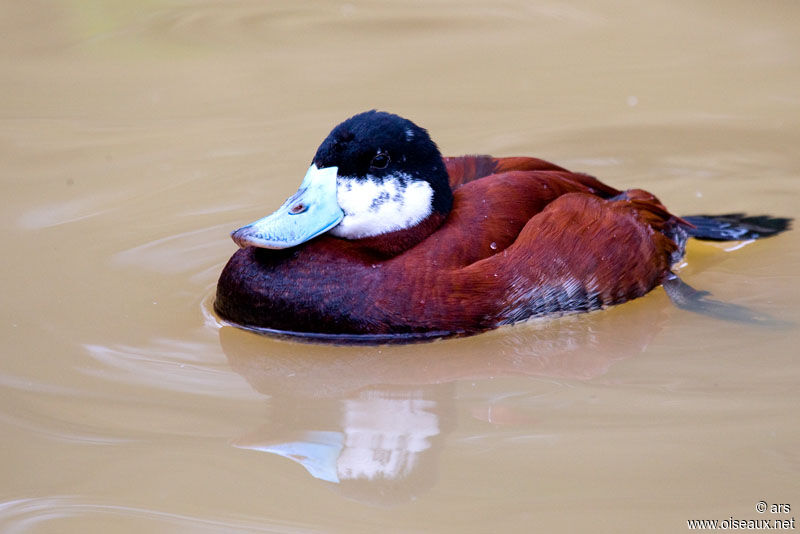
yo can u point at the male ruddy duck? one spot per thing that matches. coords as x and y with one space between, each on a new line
387 241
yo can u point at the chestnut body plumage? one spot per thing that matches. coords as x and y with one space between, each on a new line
509 239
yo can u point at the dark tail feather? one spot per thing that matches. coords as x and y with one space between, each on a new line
735 226
688 298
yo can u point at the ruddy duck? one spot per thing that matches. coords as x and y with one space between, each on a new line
386 240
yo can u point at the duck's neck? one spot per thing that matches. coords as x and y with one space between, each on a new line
394 243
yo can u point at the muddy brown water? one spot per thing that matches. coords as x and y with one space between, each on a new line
135 136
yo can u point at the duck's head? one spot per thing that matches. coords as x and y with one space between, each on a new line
376 173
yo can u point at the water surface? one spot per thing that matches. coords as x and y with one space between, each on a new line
135 136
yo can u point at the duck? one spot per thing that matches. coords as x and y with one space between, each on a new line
386 240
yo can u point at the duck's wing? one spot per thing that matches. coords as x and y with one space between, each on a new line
580 253
604 251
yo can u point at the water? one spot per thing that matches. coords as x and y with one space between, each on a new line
135 136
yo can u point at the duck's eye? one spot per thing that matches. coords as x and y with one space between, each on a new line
380 161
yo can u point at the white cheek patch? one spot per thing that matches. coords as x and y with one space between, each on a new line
374 206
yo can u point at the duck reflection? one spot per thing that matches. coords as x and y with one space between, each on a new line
378 445
373 420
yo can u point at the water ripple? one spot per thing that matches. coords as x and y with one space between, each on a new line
171 364
27 514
